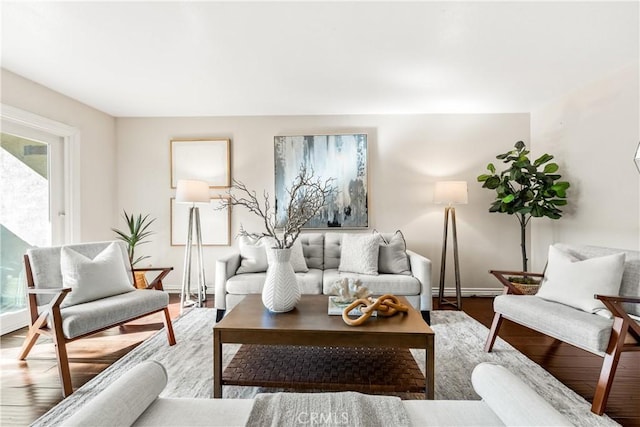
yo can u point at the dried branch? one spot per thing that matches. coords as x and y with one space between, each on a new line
306 196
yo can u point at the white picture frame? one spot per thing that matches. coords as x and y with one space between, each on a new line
206 160
215 223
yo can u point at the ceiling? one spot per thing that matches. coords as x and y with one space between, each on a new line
133 59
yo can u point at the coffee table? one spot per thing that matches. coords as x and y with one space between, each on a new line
309 325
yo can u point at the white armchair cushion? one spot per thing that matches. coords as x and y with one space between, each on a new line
574 283
92 279
359 253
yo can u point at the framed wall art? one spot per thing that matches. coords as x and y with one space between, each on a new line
215 223
201 159
341 157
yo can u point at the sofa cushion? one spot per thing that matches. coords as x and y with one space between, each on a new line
92 279
393 257
378 285
81 319
575 282
585 330
252 283
332 249
359 253
313 249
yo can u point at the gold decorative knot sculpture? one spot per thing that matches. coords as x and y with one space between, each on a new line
386 306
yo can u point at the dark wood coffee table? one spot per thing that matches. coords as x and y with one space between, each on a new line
310 325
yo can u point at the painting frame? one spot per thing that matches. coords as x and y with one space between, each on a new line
202 159
342 157
215 223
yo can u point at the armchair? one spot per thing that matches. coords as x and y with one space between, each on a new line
605 337
108 299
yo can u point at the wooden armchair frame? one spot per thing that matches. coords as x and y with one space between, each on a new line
625 335
40 325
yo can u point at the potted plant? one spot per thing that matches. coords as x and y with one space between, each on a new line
526 190
135 235
306 196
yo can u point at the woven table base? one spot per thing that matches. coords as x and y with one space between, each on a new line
372 370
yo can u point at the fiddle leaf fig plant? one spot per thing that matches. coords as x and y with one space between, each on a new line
527 189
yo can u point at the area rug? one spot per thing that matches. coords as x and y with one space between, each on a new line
459 348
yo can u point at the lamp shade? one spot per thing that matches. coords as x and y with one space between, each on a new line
637 158
190 191
451 192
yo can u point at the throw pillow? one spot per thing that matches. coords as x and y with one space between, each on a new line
92 279
253 257
574 283
359 253
393 255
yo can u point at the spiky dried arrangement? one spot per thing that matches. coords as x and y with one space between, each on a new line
306 196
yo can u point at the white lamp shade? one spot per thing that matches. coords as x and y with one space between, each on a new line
451 192
637 158
190 191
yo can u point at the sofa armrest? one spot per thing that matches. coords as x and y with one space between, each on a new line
421 270
512 400
226 267
124 400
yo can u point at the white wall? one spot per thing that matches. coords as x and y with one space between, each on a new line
407 154
593 132
97 148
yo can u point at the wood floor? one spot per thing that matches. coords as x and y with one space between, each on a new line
30 388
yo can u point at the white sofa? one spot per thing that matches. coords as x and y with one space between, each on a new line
322 255
133 400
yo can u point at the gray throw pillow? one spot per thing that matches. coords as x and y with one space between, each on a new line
393 257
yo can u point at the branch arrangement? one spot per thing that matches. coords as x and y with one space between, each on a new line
306 196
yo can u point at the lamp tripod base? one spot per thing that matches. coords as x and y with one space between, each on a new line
449 210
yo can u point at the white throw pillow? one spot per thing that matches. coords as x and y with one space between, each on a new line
91 279
359 253
574 283
393 255
253 255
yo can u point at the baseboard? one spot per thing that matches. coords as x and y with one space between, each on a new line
470 292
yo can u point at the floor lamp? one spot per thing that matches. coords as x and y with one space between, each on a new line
450 193
192 192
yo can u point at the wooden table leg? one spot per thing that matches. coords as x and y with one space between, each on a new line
217 365
430 356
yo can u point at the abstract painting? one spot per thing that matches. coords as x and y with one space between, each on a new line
342 158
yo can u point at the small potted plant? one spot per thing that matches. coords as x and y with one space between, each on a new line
526 189
136 235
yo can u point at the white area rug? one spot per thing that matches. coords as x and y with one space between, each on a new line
459 348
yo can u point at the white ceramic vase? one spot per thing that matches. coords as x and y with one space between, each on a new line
281 292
